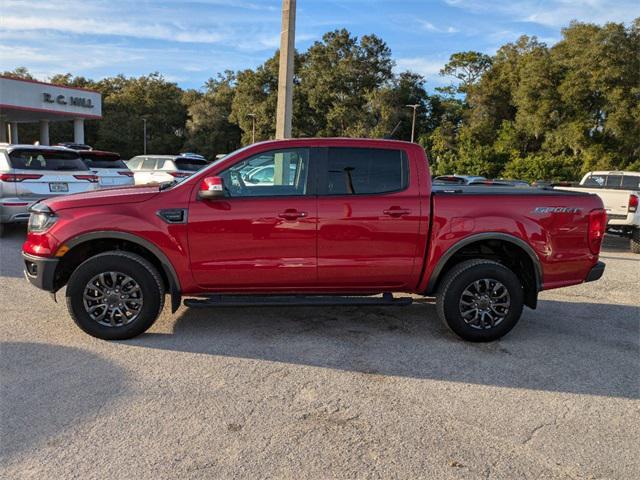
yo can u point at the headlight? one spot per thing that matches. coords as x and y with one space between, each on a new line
39 222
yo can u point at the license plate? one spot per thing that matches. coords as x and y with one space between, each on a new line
58 187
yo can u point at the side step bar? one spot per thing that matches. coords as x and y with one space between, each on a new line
387 300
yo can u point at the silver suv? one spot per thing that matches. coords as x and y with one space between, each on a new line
30 173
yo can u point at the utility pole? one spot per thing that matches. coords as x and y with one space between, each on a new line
144 130
413 123
285 74
253 126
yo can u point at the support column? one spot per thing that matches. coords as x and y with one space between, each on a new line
14 133
285 74
44 132
78 130
3 132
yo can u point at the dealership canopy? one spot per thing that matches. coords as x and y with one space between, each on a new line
29 101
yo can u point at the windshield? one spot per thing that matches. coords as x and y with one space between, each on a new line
39 159
102 160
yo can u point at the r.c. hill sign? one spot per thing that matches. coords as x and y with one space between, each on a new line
64 100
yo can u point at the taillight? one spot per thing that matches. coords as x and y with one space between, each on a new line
18 177
126 173
179 174
88 178
633 203
597 227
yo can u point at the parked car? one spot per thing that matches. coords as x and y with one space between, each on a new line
75 146
30 173
456 179
620 193
358 217
108 166
163 168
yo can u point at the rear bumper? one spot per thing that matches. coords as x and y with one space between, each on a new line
596 272
40 271
14 210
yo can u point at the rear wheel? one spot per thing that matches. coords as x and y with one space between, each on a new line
115 295
635 240
480 300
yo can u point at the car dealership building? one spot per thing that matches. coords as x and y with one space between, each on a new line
30 101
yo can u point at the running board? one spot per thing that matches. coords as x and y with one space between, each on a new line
387 300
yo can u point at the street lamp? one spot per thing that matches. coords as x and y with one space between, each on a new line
413 123
253 126
144 141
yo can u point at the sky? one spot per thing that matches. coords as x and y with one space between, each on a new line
191 41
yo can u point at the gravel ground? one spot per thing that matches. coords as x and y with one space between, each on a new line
321 393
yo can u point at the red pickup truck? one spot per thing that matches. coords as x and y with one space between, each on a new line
313 222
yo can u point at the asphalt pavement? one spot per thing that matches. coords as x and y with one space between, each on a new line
320 393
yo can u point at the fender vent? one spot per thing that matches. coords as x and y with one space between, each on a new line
173 215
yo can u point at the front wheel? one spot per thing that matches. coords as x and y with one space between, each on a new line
115 295
480 300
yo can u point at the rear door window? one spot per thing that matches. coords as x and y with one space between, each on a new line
613 181
148 164
362 171
36 159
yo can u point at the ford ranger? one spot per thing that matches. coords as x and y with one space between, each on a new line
339 221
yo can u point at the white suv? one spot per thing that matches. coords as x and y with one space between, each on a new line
164 168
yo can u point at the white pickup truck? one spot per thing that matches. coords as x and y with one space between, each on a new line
620 192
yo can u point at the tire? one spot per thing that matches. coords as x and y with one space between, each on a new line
1 229
458 290
635 241
144 294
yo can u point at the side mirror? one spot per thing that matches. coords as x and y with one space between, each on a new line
211 188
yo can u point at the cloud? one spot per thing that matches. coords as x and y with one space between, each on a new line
84 26
432 28
555 13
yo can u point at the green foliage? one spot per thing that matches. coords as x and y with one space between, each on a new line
467 68
530 111
209 130
127 101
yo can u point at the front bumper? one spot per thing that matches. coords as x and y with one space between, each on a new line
40 271
596 272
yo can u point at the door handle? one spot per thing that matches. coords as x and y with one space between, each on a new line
292 214
396 212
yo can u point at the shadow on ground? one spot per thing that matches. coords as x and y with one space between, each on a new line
46 389
10 247
594 351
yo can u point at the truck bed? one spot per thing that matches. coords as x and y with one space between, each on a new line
489 190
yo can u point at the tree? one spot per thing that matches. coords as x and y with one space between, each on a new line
209 130
126 101
467 68
338 77
18 72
